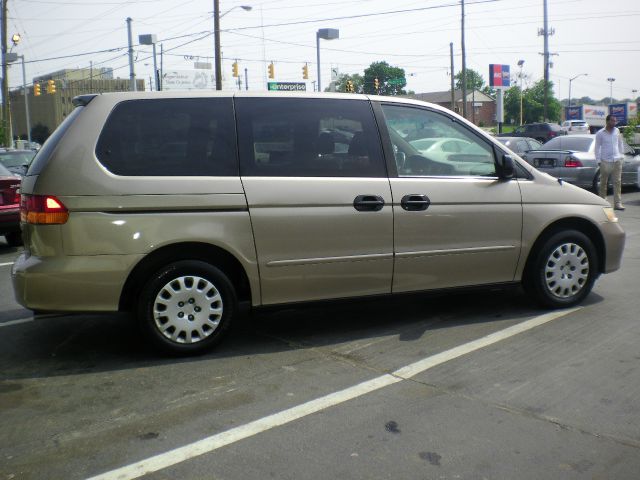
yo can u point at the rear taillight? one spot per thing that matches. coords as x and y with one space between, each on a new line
42 210
571 162
552 134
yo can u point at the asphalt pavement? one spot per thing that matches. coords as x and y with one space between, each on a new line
480 385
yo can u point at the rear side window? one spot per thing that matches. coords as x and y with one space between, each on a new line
170 137
43 155
308 137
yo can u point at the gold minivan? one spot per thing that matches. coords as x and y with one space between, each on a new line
179 206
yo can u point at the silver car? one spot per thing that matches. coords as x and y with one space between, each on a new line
573 159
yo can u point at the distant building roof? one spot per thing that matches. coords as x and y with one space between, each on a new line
444 97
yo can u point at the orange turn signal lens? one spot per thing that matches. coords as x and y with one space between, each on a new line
42 210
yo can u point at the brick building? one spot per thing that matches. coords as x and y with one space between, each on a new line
481 108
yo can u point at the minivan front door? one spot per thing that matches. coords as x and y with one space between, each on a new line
456 223
318 196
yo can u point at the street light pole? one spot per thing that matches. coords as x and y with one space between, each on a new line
611 80
325 34
571 80
6 116
26 101
152 40
132 73
520 64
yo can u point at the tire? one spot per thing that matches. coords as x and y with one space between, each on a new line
186 307
14 239
563 270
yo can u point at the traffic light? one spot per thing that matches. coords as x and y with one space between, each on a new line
349 88
36 90
376 84
234 69
271 70
305 71
51 86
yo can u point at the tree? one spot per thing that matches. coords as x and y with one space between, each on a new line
474 80
391 80
532 104
341 83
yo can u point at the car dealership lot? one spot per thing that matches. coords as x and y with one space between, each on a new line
80 396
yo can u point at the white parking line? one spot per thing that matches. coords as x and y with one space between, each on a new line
214 442
16 322
6 264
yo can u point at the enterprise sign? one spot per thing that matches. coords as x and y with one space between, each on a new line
287 87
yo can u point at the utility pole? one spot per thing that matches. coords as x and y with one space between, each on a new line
545 32
246 79
216 44
132 74
6 116
453 98
464 69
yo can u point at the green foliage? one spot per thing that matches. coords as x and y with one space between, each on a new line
630 129
532 104
3 133
392 79
474 80
356 78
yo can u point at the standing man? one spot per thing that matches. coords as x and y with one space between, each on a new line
609 155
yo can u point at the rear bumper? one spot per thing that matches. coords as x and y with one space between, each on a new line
71 284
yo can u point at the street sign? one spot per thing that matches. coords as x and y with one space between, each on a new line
287 86
395 81
499 76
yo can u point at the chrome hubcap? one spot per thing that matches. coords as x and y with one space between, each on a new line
567 270
188 309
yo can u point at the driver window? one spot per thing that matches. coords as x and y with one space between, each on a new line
427 143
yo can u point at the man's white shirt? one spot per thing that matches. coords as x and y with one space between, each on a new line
609 146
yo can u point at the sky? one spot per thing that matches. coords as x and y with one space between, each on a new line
591 37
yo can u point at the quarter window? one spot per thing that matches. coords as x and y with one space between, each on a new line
308 138
170 137
427 143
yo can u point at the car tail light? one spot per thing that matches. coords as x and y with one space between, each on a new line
552 134
571 162
43 210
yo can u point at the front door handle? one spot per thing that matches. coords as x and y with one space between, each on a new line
368 203
415 202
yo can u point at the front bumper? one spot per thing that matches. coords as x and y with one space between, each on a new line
614 240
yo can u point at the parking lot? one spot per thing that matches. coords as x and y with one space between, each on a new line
473 385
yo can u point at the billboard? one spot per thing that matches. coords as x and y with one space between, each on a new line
499 76
619 111
188 80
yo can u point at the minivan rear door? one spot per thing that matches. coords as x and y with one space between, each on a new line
456 223
318 195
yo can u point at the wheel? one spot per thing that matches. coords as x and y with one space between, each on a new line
186 307
14 239
562 272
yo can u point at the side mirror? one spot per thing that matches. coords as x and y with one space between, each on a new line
506 168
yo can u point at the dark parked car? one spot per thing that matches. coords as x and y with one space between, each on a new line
17 161
543 132
520 145
10 207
